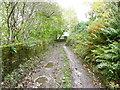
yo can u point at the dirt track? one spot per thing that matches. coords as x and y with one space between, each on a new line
48 74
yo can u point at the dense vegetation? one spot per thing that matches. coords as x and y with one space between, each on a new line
30 21
98 41
27 28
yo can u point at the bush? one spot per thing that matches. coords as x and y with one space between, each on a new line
99 45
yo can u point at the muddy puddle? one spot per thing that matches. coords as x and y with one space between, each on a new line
41 81
49 65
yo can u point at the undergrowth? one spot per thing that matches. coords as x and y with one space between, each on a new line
12 80
99 46
17 76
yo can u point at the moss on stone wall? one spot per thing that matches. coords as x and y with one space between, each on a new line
15 54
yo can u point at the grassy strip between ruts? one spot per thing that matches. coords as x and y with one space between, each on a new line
67 82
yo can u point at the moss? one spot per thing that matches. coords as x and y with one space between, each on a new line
15 54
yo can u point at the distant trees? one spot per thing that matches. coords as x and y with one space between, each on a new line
70 17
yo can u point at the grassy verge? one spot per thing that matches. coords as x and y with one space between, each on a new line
66 81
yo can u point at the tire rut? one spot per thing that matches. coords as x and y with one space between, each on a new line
49 74
80 78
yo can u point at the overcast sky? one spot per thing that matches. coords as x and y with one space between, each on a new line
81 7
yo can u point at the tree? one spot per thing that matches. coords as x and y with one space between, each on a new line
30 21
71 18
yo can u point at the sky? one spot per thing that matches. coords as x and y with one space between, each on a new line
81 7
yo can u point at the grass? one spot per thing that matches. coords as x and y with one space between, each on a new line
62 51
67 82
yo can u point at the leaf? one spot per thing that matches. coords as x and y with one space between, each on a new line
104 64
12 48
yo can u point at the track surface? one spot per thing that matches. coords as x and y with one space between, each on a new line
48 73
